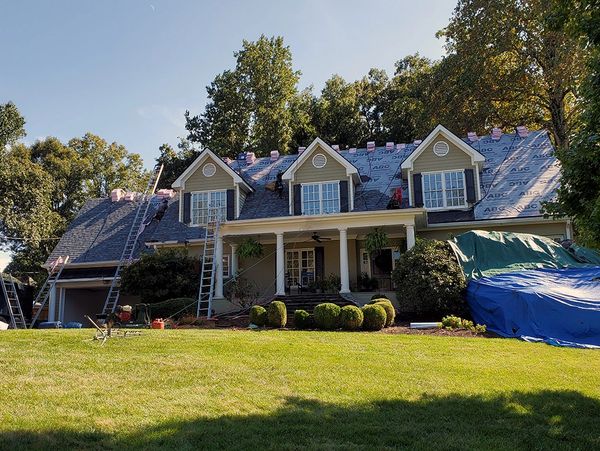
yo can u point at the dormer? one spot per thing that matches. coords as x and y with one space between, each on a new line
210 185
443 172
321 181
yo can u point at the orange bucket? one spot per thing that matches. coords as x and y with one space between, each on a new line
158 324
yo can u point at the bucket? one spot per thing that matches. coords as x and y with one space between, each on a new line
158 324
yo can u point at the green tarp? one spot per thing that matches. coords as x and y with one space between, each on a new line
483 254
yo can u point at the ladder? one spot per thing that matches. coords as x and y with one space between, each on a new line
17 320
43 295
134 232
209 266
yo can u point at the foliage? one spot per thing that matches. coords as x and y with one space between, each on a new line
351 317
375 240
277 314
430 278
303 319
258 315
378 296
175 162
390 311
176 308
241 291
164 274
452 322
250 248
12 125
374 317
327 316
332 284
367 283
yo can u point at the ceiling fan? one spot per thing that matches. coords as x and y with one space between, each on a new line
318 238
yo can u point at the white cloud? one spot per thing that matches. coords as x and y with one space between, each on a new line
4 260
173 116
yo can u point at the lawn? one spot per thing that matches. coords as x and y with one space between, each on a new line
191 389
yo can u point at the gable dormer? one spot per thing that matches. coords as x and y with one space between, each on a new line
443 172
210 185
321 181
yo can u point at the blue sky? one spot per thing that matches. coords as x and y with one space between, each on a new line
127 70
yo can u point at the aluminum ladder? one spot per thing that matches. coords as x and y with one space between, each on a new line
43 295
134 232
17 320
209 266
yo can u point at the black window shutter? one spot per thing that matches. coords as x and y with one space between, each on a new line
230 205
470 184
319 263
344 195
187 208
418 190
297 200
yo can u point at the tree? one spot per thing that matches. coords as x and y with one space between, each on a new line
371 92
12 125
302 111
175 162
510 63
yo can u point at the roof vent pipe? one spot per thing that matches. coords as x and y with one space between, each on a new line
250 157
336 147
417 142
370 146
389 145
472 136
522 131
274 155
352 150
496 133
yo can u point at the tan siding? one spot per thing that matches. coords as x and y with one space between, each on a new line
199 182
455 159
307 173
550 229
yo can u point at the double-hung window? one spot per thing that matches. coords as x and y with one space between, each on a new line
207 205
320 198
444 189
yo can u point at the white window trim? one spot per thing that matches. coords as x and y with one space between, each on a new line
445 207
193 224
302 185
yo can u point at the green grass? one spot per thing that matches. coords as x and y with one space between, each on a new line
194 389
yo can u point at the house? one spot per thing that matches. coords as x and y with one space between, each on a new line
316 224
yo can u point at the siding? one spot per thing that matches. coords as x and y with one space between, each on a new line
307 173
550 230
455 159
199 182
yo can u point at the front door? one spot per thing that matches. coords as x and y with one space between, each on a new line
300 267
380 267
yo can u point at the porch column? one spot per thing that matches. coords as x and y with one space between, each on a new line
344 273
569 230
410 236
218 262
61 304
52 303
280 265
234 259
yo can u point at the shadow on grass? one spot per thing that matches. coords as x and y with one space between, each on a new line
542 420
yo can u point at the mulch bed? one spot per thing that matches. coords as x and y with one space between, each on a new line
405 329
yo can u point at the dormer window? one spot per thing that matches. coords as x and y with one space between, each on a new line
320 198
444 189
207 205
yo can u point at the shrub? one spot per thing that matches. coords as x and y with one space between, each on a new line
430 279
452 322
258 315
276 314
176 308
302 319
390 311
327 316
351 317
378 296
374 317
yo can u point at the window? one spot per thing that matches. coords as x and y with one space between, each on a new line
208 204
320 198
226 267
300 267
444 189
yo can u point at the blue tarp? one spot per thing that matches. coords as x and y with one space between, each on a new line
558 306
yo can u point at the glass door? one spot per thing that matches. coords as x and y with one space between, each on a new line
300 267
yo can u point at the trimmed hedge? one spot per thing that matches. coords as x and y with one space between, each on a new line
276 314
302 319
258 315
374 317
351 317
176 308
378 296
327 316
390 311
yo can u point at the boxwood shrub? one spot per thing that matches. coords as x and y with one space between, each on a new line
258 315
276 314
302 319
351 317
390 311
327 316
374 317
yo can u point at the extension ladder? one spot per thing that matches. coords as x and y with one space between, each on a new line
136 227
209 266
43 295
17 320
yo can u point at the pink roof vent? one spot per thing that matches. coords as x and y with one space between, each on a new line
472 137
250 157
496 133
400 146
370 146
352 150
165 193
389 145
336 147
417 142
301 149
274 155
522 131
117 194
130 196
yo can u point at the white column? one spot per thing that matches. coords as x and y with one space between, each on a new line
219 267
344 272
234 259
280 265
410 236
569 230
52 304
61 304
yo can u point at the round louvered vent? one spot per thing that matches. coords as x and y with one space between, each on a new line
441 148
209 169
319 161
